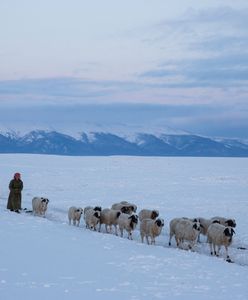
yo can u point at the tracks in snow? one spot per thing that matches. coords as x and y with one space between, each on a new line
237 251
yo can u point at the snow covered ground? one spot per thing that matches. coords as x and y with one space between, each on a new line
45 258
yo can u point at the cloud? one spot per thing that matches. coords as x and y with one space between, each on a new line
210 49
63 89
197 58
198 26
207 119
224 71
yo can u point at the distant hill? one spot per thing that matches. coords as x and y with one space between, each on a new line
107 143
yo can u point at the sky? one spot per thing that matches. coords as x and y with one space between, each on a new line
182 64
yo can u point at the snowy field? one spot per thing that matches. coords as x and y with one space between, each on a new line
45 258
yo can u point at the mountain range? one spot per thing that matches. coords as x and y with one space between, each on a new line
107 143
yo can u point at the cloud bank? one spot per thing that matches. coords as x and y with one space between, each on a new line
186 68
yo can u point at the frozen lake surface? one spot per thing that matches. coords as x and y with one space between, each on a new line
45 258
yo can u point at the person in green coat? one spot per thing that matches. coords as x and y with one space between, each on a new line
15 195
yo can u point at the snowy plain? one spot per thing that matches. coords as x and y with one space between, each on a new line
45 258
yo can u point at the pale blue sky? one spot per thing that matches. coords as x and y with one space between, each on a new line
185 55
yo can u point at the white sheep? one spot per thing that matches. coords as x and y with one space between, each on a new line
184 229
39 205
150 228
225 221
219 235
132 206
74 215
172 225
92 218
109 217
96 208
204 224
148 214
187 230
127 222
124 207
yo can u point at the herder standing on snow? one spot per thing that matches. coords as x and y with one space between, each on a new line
15 195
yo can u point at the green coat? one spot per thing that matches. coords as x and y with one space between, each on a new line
15 195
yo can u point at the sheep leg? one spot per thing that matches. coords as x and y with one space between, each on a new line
215 253
74 222
121 231
116 233
171 235
198 238
218 251
227 255
147 240
211 248
142 238
192 245
180 244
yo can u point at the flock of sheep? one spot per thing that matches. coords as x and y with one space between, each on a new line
218 230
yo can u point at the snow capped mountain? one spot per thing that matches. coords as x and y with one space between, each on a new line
116 142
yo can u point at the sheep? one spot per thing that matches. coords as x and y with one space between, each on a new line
150 228
225 221
173 223
127 222
74 214
39 205
219 235
96 208
92 218
109 217
148 214
124 207
187 230
204 224
132 206
184 229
